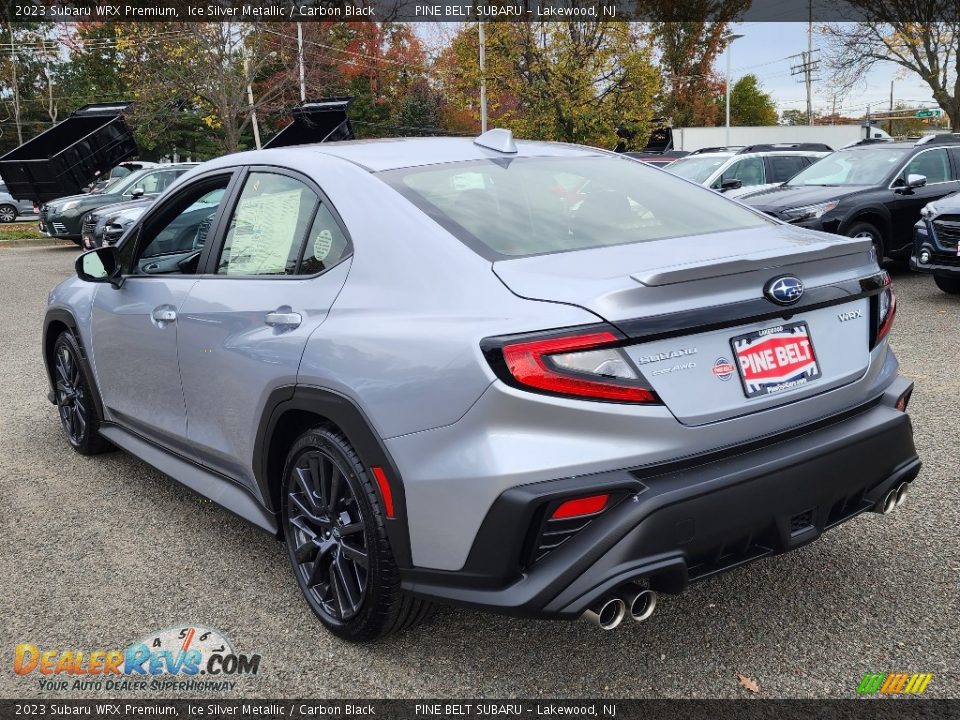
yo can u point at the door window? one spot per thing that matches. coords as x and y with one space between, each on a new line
784 167
268 226
748 171
171 240
932 164
154 183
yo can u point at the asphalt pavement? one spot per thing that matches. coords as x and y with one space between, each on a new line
97 552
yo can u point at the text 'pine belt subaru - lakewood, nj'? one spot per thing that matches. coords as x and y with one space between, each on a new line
535 378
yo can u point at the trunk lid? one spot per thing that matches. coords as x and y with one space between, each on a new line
702 376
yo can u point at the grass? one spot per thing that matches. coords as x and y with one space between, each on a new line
19 231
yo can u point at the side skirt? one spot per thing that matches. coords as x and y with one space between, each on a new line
217 488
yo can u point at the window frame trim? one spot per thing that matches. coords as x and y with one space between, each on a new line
208 264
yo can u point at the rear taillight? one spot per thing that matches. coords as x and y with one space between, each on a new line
584 364
580 507
886 308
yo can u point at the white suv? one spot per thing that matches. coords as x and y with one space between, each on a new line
737 171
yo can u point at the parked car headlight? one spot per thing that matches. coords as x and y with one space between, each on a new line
69 206
809 212
929 211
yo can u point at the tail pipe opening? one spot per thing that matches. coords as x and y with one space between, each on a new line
894 498
607 614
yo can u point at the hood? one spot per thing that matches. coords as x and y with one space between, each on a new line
626 282
784 197
117 207
61 201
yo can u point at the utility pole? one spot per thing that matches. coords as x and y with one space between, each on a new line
807 74
483 78
890 121
729 38
16 87
253 107
303 85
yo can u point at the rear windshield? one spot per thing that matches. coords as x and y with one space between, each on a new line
516 207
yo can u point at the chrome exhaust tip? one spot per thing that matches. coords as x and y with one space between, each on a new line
889 502
643 605
902 494
606 615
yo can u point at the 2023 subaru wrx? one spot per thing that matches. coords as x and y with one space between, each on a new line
535 378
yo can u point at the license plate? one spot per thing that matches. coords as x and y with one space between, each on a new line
775 359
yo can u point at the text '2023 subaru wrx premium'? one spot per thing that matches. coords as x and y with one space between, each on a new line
529 377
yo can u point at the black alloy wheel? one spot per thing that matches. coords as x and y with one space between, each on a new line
78 416
336 537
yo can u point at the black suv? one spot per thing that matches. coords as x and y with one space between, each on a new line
871 189
936 244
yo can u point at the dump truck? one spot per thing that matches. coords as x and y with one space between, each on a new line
316 121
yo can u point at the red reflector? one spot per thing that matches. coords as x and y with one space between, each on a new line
385 491
581 506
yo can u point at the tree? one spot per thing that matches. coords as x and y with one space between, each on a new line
575 82
922 36
793 117
749 105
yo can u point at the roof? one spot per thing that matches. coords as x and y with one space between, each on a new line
394 153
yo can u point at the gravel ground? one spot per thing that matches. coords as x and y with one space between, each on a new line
96 552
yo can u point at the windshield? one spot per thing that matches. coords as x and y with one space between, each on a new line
530 206
865 166
699 169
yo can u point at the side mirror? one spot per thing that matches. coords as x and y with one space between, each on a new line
732 184
136 193
916 181
101 265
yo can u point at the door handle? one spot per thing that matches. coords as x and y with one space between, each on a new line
164 314
283 319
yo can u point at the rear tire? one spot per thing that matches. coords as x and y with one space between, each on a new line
866 230
949 285
74 396
337 541
8 213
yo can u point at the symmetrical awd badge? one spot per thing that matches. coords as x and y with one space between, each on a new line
784 290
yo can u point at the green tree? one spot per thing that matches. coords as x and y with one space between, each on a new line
793 117
749 105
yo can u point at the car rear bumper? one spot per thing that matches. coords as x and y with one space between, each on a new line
682 522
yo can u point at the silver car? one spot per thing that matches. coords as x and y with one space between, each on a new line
535 378
11 208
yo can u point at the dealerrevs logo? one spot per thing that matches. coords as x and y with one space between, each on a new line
188 657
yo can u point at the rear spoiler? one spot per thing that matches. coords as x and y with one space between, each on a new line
315 122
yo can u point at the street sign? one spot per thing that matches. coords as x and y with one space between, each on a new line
937 112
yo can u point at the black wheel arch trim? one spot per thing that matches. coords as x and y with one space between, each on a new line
64 317
354 423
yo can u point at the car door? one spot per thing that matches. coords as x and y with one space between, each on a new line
134 328
905 204
244 326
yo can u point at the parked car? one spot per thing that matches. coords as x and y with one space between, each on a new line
121 170
11 208
486 392
737 171
936 245
659 159
106 225
870 190
63 217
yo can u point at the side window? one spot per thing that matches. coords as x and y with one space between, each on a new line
154 183
326 244
932 164
784 167
171 241
267 227
748 171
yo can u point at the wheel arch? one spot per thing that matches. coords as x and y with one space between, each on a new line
876 216
290 411
56 321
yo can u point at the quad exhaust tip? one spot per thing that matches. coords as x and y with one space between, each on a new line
895 498
643 605
608 614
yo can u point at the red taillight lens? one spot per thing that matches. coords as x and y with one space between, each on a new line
886 308
583 365
580 507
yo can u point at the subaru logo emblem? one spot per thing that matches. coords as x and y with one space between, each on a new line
784 290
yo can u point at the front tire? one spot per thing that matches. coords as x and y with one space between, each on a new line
337 541
866 230
74 396
949 285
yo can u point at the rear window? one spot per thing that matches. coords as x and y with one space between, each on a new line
517 207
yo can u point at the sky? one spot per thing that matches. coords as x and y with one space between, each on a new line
764 49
